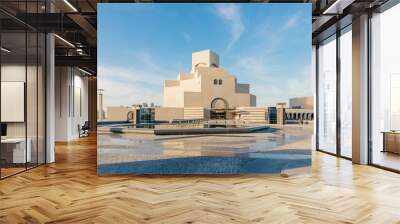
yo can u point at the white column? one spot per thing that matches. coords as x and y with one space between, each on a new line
360 90
314 84
50 98
63 102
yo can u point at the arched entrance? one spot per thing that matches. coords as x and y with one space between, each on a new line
219 107
131 116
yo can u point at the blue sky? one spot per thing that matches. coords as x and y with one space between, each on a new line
265 45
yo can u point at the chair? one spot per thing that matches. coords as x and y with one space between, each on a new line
84 130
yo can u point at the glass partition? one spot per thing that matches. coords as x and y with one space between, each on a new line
31 97
13 109
22 77
385 89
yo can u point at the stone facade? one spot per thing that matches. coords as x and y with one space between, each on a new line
302 103
207 85
123 113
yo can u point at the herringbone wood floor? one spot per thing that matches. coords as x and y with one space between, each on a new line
70 191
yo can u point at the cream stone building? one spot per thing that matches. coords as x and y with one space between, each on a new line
208 91
123 113
302 102
300 108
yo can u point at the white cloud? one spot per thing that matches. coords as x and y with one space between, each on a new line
278 89
271 36
252 67
291 21
142 81
272 82
269 83
119 93
129 86
145 59
231 14
130 75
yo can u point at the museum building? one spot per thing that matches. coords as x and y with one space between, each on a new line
208 91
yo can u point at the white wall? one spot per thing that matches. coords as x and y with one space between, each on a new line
71 103
17 73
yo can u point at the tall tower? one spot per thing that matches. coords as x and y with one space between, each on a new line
280 113
100 109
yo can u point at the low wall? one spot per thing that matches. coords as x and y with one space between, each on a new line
181 131
191 131
253 114
121 113
193 113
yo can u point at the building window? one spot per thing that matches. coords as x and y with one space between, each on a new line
215 81
327 95
220 81
345 83
385 89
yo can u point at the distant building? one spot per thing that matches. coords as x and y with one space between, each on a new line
302 102
124 113
271 111
101 115
135 114
147 115
207 85
137 105
208 92
280 113
301 109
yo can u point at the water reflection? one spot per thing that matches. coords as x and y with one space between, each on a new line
265 145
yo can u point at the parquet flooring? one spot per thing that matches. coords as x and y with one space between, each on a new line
70 191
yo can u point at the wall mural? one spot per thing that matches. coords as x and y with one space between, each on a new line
204 88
